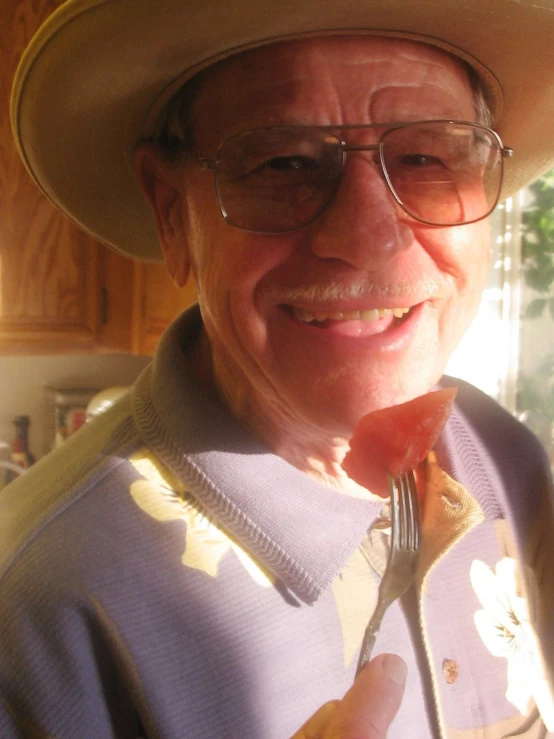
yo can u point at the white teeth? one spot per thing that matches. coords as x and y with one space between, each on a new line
352 315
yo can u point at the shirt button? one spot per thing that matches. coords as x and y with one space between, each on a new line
450 671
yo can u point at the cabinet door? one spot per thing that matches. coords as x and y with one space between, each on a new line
116 275
60 290
157 302
49 299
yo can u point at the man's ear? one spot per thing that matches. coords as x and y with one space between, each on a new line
161 182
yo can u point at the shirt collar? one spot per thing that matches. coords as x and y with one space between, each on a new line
301 530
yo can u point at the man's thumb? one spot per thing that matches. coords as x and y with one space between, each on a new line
370 705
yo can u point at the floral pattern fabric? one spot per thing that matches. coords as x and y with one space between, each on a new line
504 626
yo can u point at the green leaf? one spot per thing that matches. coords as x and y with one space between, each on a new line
536 280
551 307
535 308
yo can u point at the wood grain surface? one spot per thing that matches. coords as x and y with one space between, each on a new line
60 290
47 267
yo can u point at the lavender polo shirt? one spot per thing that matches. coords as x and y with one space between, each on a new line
163 574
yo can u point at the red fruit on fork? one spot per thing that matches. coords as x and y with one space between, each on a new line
396 439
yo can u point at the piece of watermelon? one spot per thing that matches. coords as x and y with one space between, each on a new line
394 440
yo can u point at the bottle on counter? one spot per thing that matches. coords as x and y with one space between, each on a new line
20 453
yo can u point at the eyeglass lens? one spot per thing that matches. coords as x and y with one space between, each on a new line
278 179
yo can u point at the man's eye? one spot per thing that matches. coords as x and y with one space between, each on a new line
421 160
282 170
291 164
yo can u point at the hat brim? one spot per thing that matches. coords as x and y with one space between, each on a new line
89 81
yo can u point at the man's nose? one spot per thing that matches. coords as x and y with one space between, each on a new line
363 224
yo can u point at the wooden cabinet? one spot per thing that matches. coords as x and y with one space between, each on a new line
157 302
60 290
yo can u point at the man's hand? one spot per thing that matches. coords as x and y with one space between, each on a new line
368 708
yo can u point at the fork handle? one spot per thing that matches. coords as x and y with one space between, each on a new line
370 635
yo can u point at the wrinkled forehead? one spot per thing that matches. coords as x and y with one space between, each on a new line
306 54
272 83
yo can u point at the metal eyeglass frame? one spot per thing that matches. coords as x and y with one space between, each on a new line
505 152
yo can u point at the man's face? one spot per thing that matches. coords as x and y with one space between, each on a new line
259 293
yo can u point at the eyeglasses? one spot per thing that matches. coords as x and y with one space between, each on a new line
277 179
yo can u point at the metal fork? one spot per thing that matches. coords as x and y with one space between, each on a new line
402 562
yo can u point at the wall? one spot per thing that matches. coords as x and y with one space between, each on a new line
23 381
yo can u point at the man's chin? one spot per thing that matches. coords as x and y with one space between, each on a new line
338 415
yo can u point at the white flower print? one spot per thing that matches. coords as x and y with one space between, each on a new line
163 497
504 626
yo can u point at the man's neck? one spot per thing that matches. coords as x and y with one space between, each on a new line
317 454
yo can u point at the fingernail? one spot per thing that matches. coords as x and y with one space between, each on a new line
395 668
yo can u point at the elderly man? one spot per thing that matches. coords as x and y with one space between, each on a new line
196 563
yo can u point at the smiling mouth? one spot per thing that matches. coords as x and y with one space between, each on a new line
325 318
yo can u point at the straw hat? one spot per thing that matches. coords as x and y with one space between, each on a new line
92 79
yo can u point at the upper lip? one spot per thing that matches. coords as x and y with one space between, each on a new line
334 297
